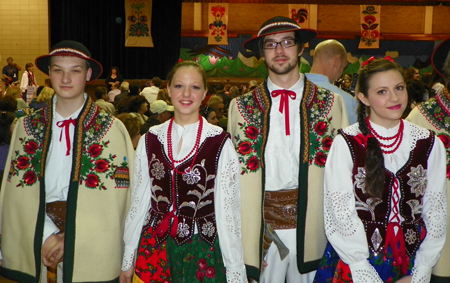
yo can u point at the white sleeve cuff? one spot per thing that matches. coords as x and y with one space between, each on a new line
364 272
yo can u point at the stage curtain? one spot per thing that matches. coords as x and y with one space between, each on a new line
100 25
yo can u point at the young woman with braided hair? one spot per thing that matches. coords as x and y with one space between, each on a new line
385 197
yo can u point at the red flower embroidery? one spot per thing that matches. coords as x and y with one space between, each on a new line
200 276
326 142
30 147
252 132
448 172
30 177
320 128
101 165
95 150
202 264
445 140
245 148
92 181
210 272
23 162
253 163
320 159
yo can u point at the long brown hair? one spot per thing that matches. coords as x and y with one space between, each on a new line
374 166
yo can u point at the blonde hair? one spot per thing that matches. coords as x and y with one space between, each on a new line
45 94
14 92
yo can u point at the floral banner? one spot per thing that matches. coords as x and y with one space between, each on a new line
218 24
302 15
138 14
370 27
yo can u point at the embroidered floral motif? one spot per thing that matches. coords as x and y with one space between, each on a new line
158 169
410 236
249 148
320 142
204 191
208 229
183 230
418 180
416 207
446 141
192 176
28 162
360 179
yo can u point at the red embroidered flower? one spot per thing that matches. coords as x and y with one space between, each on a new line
200 276
29 177
101 165
252 132
253 163
95 150
202 264
448 172
445 140
320 128
30 147
320 159
92 181
23 162
210 272
245 148
326 142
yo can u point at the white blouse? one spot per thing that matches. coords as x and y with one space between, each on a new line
227 204
345 230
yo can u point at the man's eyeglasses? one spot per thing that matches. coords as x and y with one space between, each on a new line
284 43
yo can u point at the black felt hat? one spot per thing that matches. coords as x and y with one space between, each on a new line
439 56
276 25
70 48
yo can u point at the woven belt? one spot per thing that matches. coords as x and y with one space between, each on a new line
57 213
280 208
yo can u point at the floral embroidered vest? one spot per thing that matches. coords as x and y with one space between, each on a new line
374 212
194 189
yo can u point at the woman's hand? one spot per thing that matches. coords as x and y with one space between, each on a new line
126 276
406 279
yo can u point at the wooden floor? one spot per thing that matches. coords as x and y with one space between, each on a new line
4 280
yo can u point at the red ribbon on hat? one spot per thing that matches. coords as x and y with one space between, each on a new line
284 105
66 124
389 58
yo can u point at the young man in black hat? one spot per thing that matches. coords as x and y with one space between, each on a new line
434 114
64 196
283 131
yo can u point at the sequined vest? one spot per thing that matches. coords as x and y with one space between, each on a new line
194 190
374 212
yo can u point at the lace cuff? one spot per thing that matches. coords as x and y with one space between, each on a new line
128 258
421 274
363 272
236 273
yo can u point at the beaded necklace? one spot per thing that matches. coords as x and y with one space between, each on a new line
395 140
194 149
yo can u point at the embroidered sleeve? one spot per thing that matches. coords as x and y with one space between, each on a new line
140 205
227 198
434 214
343 227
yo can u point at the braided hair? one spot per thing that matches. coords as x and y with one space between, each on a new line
374 166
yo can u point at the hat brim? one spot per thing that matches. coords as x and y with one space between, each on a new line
439 56
43 63
305 34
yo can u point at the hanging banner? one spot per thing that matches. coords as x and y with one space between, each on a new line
138 14
218 24
370 27
301 13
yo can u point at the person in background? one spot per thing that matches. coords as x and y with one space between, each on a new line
43 98
151 91
63 203
22 106
161 112
329 62
101 96
133 125
164 95
115 90
210 116
10 72
113 76
123 105
434 114
215 102
138 107
282 131
124 91
412 74
28 83
185 213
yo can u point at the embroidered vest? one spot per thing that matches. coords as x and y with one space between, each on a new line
194 190
374 212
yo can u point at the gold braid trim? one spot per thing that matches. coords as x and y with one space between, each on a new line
265 127
307 93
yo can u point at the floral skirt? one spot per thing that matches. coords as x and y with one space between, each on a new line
333 270
193 261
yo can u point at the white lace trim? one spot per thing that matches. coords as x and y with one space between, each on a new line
420 277
436 216
337 214
364 272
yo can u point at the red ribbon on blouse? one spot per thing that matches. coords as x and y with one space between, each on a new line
66 124
284 105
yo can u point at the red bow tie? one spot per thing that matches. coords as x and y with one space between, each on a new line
284 105
66 124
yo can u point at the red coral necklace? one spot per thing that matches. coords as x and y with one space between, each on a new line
395 140
194 149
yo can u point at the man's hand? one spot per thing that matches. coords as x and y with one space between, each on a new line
406 279
127 276
53 250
